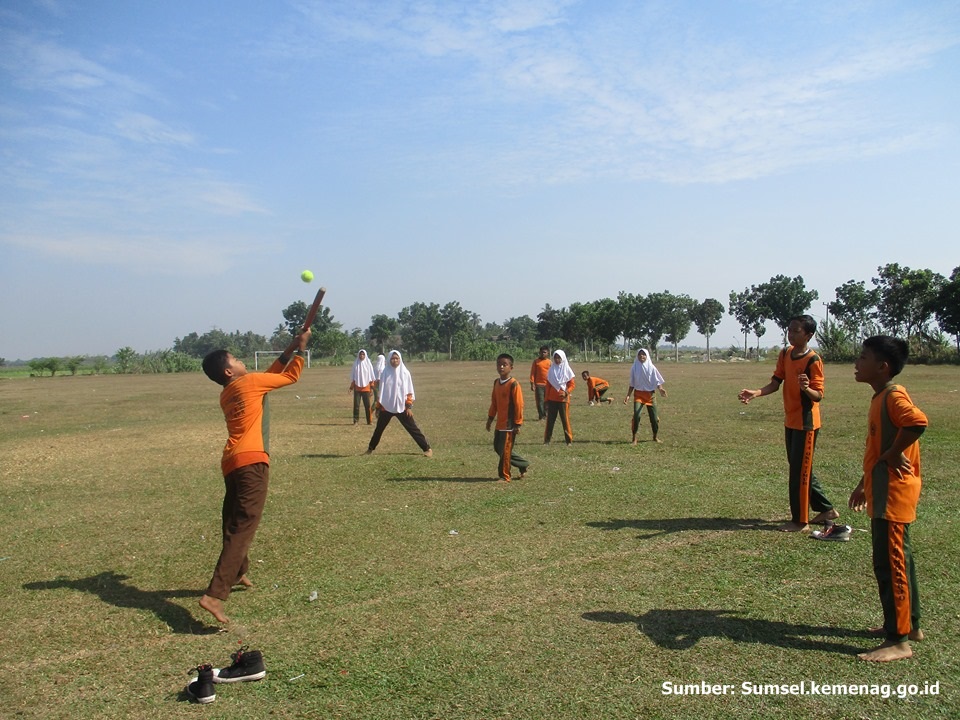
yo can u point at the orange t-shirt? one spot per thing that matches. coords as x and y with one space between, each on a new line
891 496
594 386
554 395
243 402
506 404
539 370
800 412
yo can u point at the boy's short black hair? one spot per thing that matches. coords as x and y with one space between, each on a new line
505 356
585 372
215 364
807 323
544 347
891 350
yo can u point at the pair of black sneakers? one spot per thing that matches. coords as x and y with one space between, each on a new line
247 665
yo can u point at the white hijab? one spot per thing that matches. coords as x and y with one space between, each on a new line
362 374
560 375
395 385
644 375
381 364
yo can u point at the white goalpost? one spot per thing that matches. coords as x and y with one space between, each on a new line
273 354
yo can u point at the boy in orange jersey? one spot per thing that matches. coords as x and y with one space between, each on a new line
596 388
800 372
246 459
538 380
506 407
889 490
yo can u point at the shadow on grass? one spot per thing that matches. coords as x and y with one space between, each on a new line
682 629
665 526
444 479
111 589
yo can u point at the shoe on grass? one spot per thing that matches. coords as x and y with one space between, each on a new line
839 533
247 666
200 689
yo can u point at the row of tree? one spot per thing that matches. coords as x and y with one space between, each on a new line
918 305
901 301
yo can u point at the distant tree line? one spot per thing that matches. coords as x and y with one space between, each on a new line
920 306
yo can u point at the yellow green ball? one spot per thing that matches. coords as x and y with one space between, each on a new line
306 276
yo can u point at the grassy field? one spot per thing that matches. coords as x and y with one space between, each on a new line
577 592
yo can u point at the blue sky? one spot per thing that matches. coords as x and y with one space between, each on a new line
171 167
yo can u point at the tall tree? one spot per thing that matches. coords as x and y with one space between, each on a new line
550 322
455 320
577 325
907 298
382 328
678 320
420 327
750 313
706 316
784 298
948 306
296 313
658 309
633 320
520 329
854 309
607 321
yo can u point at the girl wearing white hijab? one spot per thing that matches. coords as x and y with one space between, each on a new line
362 380
645 380
560 383
396 398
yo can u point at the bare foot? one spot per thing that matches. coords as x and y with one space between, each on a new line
214 606
245 581
523 474
888 652
428 453
657 440
793 527
633 442
824 517
369 452
914 635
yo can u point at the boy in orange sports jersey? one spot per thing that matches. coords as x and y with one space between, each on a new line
506 407
596 387
800 372
246 459
538 380
889 490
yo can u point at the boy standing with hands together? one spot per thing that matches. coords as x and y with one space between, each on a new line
800 372
506 408
889 490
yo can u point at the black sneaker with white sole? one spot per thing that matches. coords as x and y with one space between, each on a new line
200 689
247 665
837 533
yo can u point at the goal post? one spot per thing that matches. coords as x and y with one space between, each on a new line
257 354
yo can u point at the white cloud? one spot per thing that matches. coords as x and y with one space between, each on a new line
143 128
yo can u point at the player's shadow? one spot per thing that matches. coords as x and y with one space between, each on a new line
444 479
653 527
111 589
683 629
324 456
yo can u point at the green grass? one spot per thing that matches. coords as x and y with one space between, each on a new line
575 593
